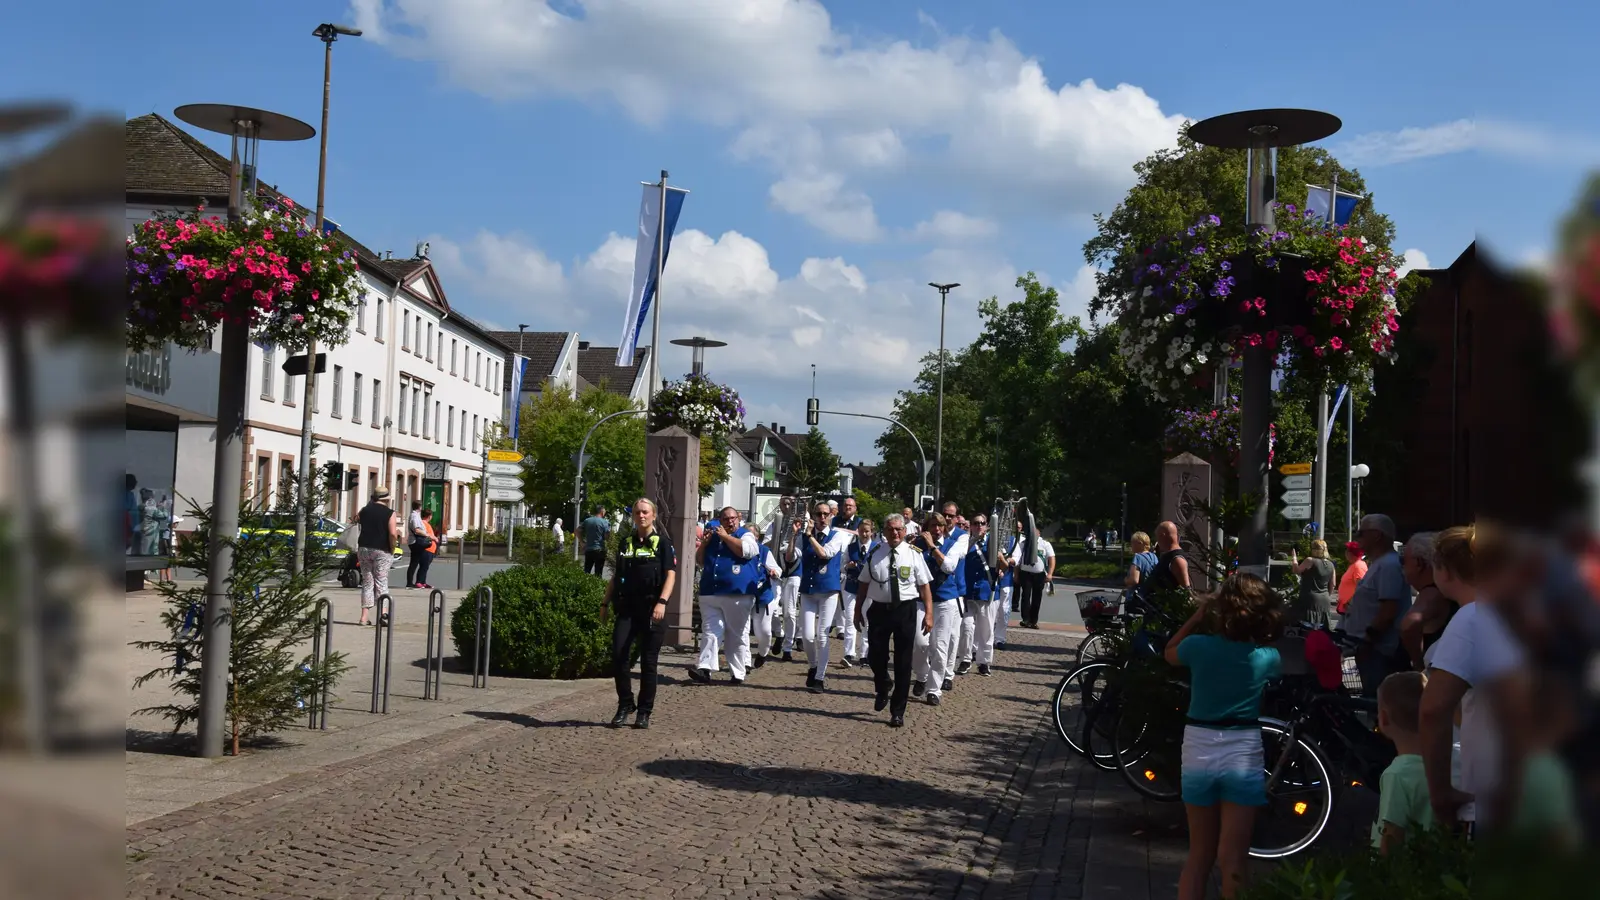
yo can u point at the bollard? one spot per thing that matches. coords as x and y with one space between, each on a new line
433 667
382 651
321 649
483 636
461 563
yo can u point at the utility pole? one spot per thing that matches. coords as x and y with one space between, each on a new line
938 449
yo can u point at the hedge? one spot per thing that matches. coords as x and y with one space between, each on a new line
546 622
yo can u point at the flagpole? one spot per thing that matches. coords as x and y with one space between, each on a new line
1319 512
655 308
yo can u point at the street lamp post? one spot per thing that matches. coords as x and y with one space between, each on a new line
327 33
698 345
938 438
994 422
248 128
1259 132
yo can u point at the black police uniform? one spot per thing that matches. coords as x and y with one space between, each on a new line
640 571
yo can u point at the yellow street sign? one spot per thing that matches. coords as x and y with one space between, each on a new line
1286 468
507 456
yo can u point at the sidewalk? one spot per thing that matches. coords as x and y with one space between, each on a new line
161 779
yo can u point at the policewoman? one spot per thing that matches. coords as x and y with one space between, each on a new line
978 643
855 639
641 581
822 551
945 554
729 569
893 605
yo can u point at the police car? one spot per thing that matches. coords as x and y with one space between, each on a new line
321 531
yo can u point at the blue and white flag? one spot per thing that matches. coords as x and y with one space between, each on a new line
1317 202
1333 414
518 365
644 263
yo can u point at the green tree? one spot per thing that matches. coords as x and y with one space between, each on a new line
553 426
816 468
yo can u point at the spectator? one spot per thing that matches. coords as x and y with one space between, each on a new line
559 535
1403 806
1432 610
1316 584
1381 600
426 550
1355 570
1144 561
596 529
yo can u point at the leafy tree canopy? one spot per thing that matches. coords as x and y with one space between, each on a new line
553 426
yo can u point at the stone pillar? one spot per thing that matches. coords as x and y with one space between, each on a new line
672 482
1186 479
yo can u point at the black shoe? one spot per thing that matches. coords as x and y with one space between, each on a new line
817 686
933 699
849 662
984 671
777 647
624 710
897 721
1000 646
788 657
811 675
758 662
918 688
880 703
948 685
964 668
700 676
800 644
643 721
736 681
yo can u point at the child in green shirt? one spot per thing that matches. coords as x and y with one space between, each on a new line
1403 805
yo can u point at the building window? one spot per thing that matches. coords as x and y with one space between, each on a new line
355 401
438 426
405 329
416 403
285 494
289 393
405 391
267 353
463 429
450 437
461 503
452 356
361 313
263 480
338 391
478 379
377 403
427 418
494 383
377 331
476 435
430 342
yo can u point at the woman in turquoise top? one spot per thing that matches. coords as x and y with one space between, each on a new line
1224 774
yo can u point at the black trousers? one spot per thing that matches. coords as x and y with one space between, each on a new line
424 559
636 628
414 564
1030 593
594 562
897 623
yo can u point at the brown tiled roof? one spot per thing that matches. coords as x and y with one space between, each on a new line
787 440
542 348
598 365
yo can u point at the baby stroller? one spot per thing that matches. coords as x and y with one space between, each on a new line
350 571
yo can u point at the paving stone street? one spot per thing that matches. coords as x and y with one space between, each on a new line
759 791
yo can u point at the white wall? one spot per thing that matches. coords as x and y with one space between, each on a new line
735 491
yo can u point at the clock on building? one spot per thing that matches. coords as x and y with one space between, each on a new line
435 469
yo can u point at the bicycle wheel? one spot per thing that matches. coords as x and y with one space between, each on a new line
1300 794
1080 689
1097 732
1149 754
1097 647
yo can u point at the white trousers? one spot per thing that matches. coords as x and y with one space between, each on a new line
816 615
788 605
847 612
723 619
761 625
966 645
1002 614
983 631
860 647
936 651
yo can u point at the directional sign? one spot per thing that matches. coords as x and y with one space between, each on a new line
1295 513
504 456
504 495
511 482
505 468
1286 468
1289 498
1290 483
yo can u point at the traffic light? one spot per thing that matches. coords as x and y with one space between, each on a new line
352 479
333 475
813 414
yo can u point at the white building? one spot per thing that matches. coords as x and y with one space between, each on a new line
416 382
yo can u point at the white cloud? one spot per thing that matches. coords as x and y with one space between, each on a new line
797 93
1515 140
1414 259
949 225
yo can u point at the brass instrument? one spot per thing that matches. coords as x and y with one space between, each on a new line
1003 521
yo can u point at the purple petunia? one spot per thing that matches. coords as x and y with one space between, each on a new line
1199 250
1215 220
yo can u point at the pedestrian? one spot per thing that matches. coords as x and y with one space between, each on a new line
416 541
1380 601
945 555
1355 570
1431 611
380 534
980 603
1225 646
642 578
596 530
1315 603
855 639
894 604
729 572
558 534
821 550
1143 563
427 550
1033 574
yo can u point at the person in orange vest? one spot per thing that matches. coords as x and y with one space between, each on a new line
427 548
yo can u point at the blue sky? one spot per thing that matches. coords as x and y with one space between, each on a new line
840 156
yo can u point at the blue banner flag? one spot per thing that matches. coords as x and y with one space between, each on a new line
1333 414
643 297
518 365
1317 202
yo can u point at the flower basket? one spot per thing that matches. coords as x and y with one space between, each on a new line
188 273
61 270
699 406
1321 299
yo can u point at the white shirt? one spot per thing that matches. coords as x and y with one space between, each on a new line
881 578
953 556
1478 648
416 525
1042 555
773 569
748 548
912 528
835 545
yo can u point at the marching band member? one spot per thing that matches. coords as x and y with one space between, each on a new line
979 643
945 554
730 569
1003 589
855 639
821 551
845 519
770 574
895 605
787 607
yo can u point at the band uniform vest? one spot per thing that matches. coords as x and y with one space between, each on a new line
725 573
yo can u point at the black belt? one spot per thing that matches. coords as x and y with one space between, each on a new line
1222 723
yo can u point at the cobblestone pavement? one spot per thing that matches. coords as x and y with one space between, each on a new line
760 791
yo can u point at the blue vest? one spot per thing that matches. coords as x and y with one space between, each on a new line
725 573
859 556
765 590
979 585
1006 578
953 585
818 575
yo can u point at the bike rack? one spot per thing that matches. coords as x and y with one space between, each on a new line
321 650
433 666
483 634
382 650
